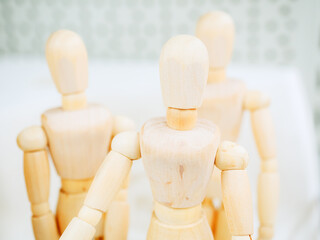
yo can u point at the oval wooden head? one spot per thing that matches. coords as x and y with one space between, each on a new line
184 67
68 62
216 30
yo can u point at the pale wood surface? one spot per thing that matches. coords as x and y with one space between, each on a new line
117 220
179 224
221 230
74 101
79 135
283 85
71 186
268 181
177 216
237 218
268 200
237 200
45 227
209 211
179 164
181 119
68 207
37 176
122 124
254 100
264 134
214 187
111 176
216 30
78 140
36 171
108 181
32 139
231 156
128 144
78 229
223 105
68 61
183 72
33 142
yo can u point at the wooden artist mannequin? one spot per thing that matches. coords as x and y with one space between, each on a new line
78 136
178 154
224 103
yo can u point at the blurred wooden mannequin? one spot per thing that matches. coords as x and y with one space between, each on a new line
78 137
224 103
178 152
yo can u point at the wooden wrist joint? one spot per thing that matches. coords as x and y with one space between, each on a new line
90 215
181 119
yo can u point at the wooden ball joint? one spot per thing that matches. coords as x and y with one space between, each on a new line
224 102
178 152
78 137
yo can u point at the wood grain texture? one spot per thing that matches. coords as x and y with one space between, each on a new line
237 201
45 227
78 140
183 72
37 176
33 142
108 181
68 207
179 224
179 164
78 229
68 61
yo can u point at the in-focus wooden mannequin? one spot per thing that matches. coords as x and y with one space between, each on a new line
178 153
78 137
224 102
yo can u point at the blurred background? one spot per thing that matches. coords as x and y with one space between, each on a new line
277 50
268 32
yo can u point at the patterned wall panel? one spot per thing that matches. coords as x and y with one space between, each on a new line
266 29
277 32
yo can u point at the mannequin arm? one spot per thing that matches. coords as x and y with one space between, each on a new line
33 142
268 182
232 160
112 173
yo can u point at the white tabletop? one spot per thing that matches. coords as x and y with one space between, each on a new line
133 89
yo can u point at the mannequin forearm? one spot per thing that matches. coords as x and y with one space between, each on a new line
106 184
268 181
37 177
